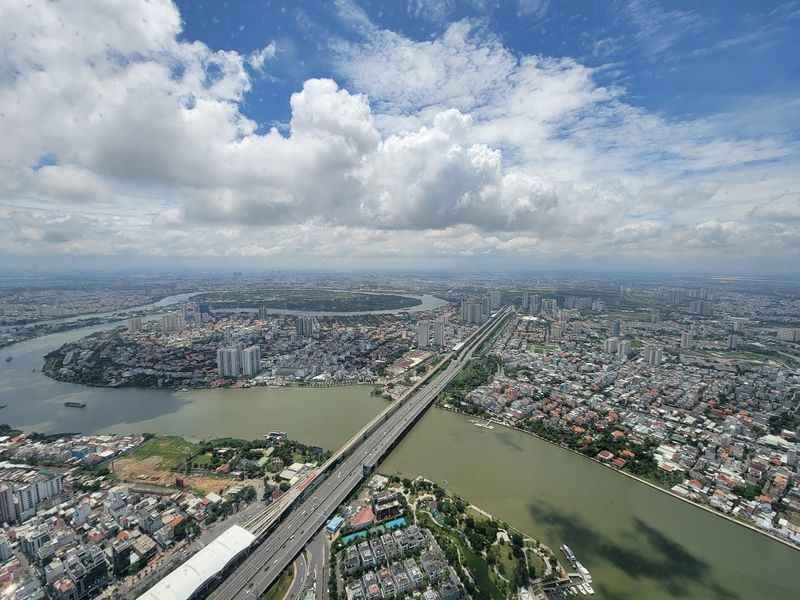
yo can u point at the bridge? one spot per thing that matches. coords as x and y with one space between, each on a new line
283 529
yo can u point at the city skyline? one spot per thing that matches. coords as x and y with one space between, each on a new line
428 134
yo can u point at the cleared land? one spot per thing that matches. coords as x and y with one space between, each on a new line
155 461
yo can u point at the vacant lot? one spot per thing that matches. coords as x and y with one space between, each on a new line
172 451
159 461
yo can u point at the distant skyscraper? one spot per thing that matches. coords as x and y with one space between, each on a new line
549 307
306 326
439 333
686 340
134 324
652 355
624 349
471 311
229 362
494 299
486 305
535 304
172 322
423 334
612 345
616 328
191 312
251 361
731 342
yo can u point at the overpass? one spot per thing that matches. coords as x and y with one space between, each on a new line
284 528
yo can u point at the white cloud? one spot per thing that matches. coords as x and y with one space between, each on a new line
259 58
435 150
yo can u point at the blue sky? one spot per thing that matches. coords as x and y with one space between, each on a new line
684 59
441 133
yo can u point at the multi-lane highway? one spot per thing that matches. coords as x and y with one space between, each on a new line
308 512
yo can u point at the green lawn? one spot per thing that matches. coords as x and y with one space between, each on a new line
536 560
172 450
476 565
278 589
203 460
629 316
540 348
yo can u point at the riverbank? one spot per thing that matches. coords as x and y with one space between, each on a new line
650 484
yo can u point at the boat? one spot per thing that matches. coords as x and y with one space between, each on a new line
184 389
2 406
75 404
483 425
568 553
589 589
9 358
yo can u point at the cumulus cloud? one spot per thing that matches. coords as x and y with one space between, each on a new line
448 147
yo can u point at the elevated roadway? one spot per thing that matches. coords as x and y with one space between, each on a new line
284 529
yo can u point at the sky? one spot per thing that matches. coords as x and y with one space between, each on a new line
439 134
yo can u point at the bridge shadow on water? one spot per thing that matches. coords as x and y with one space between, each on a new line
645 554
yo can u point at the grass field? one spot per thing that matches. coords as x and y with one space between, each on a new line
278 589
476 565
541 348
629 316
172 450
202 460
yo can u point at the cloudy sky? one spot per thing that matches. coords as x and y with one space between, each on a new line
412 133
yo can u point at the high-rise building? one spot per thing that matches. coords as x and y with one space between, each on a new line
611 345
471 311
8 512
701 307
549 307
615 328
624 349
251 361
229 362
686 340
172 322
486 306
306 326
653 355
191 312
5 549
731 342
494 299
423 334
439 333
134 324
535 304
526 299
555 332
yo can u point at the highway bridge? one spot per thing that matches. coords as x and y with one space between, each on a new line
284 528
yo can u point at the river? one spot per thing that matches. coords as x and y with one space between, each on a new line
638 543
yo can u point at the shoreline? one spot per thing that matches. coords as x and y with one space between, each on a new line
653 486
186 388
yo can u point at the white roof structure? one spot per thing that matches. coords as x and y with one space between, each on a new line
187 579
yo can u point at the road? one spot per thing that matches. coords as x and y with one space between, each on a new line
300 575
307 516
